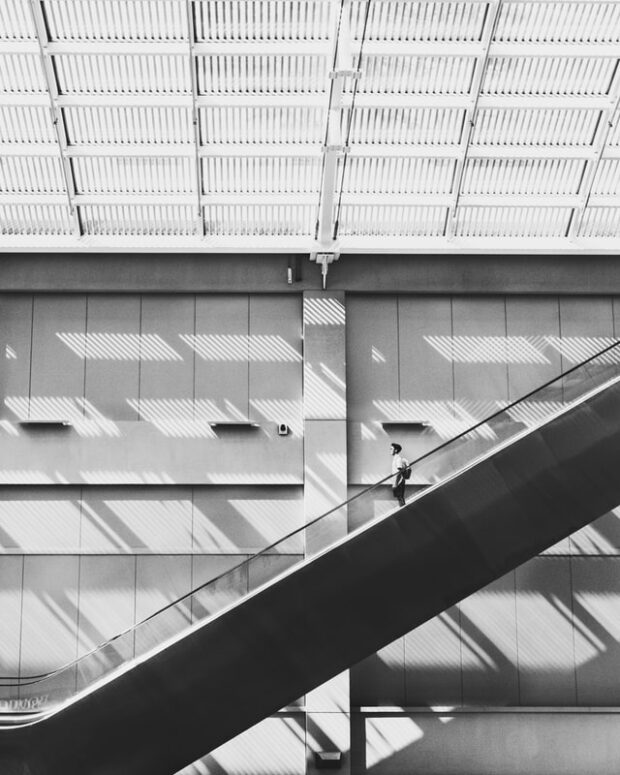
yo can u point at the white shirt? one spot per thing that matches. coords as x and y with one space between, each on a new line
398 462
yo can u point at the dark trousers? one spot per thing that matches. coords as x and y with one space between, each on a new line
399 490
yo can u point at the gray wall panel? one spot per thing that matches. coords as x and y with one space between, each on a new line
221 353
545 632
480 369
49 620
275 361
532 361
372 384
161 580
600 537
58 348
113 356
489 645
107 606
486 743
433 661
245 521
372 357
137 520
15 348
379 680
166 364
424 329
587 326
40 519
425 373
596 610
221 592
11 570
276 746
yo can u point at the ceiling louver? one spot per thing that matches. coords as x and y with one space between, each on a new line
351 125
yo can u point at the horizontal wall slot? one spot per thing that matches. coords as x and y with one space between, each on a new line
234 424
46 423
406 424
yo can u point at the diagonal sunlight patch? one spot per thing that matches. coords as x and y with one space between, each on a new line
280 410
377 355
322 398
110 476
156 525
179 417
388 735
576 349
533 413
324 312
250 477
270 348
119 347
272 747
447 418
46 526
84 417
488 349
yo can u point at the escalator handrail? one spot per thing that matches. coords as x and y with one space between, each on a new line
17 681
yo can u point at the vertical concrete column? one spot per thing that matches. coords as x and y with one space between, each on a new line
325 487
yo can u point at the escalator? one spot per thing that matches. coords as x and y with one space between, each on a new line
240 647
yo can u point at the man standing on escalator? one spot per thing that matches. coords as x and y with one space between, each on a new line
399 466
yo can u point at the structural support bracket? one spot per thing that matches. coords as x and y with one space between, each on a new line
324 260
334 149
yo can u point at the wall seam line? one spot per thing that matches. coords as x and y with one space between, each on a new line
31 356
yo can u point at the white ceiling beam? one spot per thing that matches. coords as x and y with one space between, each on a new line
316 100
391 48
36 9
488 33
191 26
272 244
607 121
310 199
334 141
307 151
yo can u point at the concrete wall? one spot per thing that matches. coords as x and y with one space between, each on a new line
140 378
448 743
452 360
141 499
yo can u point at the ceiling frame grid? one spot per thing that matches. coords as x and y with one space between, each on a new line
58 120
191 38
334 145
490 25
297 112
606 123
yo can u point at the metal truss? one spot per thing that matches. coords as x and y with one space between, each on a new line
60 129
610 115
472 112
191 32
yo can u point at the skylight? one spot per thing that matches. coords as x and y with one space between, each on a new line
304 125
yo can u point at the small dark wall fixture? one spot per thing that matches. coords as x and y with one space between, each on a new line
328 760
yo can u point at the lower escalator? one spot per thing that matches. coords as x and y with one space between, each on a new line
235 650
